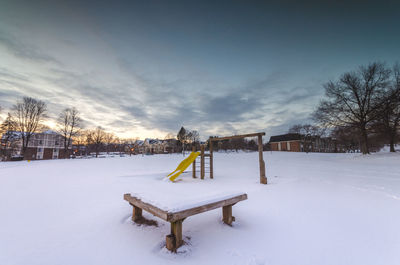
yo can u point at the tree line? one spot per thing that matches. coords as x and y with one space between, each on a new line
27 117
189 138
361 109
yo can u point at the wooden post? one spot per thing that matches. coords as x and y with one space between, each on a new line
137 213
194 164
227 217
170 242
263 178
174 240
202 169
211 159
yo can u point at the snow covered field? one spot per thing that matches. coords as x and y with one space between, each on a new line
317 209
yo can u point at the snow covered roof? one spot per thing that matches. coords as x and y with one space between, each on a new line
49 132
152 141
18 134
139 142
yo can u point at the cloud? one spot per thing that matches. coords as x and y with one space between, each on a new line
152 103
6 74
230 107
24 50
124 99
155 104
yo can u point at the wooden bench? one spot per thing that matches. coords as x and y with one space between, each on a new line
174 240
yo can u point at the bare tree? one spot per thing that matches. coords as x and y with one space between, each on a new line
79 140
304 129
120 144
27 116
95 138
345 139
8 141
389 114
194 137
309 133
188 137
169 136
69 125
353 101
109 139
238 143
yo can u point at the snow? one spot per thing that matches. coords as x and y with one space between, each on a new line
316 209
50 132
173 203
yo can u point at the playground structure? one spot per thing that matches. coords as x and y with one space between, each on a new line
182 166
210 165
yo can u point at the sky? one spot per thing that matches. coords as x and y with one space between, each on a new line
146 68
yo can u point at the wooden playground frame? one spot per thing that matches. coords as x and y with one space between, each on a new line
203 155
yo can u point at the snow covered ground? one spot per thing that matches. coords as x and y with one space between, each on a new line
317 209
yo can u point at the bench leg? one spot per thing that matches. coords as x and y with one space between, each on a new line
137 213
174 240
227 217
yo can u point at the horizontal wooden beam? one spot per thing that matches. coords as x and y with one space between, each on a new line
172 217
146 206
236 136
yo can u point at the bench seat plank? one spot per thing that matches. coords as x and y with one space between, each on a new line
146 206
174 216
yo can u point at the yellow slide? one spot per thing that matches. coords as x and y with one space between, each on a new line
183 165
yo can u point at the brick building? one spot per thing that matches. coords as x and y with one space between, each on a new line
295 142
287 142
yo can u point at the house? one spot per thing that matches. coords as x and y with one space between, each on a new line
44 145
294 142
156 146
137 147
170 145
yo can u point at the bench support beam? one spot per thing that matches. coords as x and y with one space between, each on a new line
174 240
137 213
227 217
